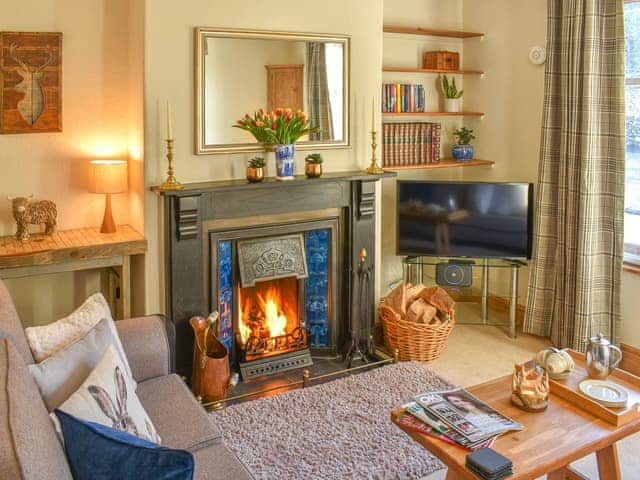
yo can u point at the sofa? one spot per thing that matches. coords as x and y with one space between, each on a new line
29 446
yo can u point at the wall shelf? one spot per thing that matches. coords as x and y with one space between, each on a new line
444 163
431 70
433 114
434 32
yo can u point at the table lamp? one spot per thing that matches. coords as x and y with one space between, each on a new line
108 176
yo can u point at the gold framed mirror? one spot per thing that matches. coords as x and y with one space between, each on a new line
239 71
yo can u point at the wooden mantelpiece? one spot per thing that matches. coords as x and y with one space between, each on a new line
201 213
271 182
73 250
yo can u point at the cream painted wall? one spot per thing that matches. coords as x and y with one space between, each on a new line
97 123
169 75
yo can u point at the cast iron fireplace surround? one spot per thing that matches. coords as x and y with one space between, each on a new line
195 217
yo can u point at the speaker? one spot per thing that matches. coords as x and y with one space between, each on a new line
454 274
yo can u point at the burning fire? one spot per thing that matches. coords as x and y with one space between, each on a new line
266 311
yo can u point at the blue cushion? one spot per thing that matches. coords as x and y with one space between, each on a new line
103 453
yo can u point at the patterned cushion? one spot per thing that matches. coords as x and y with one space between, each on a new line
108 397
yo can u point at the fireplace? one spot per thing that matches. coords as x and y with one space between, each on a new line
274 287
269 325
296 306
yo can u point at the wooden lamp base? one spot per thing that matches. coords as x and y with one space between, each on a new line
108 225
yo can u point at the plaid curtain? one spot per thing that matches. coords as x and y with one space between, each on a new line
574 288
319 113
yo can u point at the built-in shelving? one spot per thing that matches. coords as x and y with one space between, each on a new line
434 32
431 70
444 163
433 114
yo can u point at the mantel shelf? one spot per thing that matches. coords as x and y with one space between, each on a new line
431 70
444 163
433 32
433 114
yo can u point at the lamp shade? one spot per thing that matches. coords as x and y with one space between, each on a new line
108 176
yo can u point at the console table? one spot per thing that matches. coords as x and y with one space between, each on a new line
74 250
422 270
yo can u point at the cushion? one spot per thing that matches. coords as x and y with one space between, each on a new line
47 339
108 397
29 447
11 326
62 373
98 452
192 429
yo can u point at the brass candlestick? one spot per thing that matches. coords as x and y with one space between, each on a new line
170 183
374 168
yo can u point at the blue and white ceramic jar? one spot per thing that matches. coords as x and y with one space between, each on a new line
462 153
285 161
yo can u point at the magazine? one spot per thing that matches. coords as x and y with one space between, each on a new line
466 414
431 425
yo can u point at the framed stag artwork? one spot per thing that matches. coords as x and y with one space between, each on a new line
30 82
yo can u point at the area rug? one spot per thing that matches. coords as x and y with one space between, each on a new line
336 430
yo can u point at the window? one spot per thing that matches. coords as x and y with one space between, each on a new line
632 92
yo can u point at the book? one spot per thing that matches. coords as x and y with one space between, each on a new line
422 422
466 414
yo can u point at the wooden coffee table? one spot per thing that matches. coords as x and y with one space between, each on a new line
549 442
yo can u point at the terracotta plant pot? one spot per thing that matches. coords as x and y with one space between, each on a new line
313 170
255 175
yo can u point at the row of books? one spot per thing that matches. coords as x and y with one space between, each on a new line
410 143
457 417
403 97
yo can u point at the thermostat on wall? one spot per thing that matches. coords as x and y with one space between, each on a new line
537 54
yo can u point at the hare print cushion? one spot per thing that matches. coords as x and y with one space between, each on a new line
46 340
108 397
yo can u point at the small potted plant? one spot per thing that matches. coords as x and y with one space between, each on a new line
463 151
255 170
313 165
451 94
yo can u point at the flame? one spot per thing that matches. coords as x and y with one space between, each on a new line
272 307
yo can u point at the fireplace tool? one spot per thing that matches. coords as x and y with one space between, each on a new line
359 343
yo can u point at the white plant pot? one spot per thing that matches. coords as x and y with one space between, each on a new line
452 105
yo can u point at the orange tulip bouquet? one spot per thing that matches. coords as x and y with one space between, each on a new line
281 128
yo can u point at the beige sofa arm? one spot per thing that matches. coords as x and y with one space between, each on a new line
149 343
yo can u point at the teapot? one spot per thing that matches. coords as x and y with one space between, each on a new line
602 358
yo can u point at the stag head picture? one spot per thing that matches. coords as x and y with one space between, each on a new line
30 82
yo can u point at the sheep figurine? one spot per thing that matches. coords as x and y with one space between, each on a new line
26 213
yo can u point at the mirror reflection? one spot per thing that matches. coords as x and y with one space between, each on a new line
241 72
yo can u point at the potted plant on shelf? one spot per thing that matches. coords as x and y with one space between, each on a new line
451 94
281 129
255 170
313 165
463 151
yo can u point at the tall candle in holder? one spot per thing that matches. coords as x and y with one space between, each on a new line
170 183
373 168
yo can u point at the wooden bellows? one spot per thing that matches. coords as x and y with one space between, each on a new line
417 321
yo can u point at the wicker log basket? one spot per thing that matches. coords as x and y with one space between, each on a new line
418 333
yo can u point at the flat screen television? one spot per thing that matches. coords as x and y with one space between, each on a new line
465 219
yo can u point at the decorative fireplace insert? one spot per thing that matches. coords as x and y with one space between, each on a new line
270 332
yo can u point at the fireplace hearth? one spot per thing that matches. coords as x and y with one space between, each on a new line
275 259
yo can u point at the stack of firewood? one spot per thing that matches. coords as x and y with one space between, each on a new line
421 304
